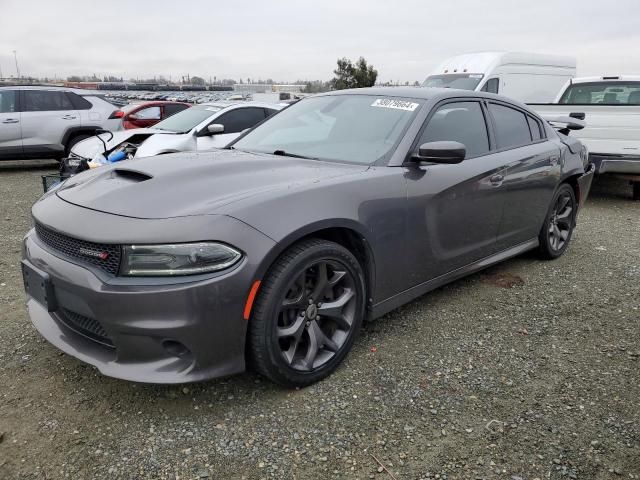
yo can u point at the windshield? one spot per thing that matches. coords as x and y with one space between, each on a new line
345 128
602 93
187 119
463 81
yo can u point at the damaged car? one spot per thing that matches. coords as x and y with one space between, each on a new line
272 252
201 127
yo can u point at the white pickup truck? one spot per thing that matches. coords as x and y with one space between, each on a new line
611 106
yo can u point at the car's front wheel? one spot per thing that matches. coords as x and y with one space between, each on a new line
307 314
558 225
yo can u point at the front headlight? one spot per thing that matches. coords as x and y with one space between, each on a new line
178 259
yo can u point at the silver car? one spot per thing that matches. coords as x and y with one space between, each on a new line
201 127
47 121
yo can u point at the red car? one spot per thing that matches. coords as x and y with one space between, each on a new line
147 114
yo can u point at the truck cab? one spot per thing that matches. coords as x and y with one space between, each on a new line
611 106
526 77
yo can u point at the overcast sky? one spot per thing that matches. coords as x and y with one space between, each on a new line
290 40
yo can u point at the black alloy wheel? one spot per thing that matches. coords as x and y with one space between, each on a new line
316 315
559 224
308 312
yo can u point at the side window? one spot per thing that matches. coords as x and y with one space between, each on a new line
150 113
7 101
239 119
459 122
534 126
46 101
170 109
491 86
512 127
78 102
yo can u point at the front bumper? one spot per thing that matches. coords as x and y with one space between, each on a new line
146 330
616 164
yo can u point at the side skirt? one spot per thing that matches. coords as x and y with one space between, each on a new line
414 292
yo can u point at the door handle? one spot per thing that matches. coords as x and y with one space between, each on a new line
11 120
68 117
496 179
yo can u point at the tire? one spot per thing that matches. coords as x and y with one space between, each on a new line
72 141
559 223
287 322
636 190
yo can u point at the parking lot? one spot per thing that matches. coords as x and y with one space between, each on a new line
527 370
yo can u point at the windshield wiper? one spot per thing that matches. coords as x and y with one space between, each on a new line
282 153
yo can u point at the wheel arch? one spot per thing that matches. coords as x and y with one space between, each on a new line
348 233
75 131
572 181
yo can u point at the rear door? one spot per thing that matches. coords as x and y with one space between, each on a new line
10 128
533 170
234 122
46 116
455 210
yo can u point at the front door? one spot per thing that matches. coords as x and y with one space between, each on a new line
454 210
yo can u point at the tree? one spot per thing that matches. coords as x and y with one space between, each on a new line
197 81
348 75
315 86
74 78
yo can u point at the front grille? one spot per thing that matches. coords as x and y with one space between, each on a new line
85 326
82 250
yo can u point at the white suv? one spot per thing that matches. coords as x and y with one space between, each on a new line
45 122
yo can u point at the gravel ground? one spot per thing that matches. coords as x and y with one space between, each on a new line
527 370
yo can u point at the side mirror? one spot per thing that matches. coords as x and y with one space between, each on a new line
132 116
440 152
215 128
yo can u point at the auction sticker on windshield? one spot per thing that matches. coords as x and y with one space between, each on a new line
397 104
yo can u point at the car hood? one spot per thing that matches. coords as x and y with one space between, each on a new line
184 184
91 146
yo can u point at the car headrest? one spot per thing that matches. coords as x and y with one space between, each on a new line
634 98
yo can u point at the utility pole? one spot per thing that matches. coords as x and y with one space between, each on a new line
15 56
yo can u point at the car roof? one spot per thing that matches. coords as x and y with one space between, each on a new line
421 93
54 88
225 104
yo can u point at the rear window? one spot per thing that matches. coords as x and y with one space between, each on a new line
46 101
534 126
602 93
78 102
512 127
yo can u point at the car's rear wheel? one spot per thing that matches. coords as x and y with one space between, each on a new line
557 230
307 314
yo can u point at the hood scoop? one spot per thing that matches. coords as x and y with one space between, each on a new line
130 175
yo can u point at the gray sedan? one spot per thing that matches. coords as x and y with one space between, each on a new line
271 253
